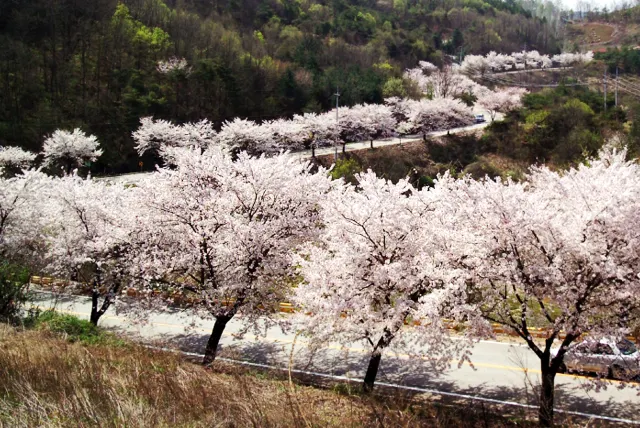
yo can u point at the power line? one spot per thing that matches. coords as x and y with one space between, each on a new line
630 91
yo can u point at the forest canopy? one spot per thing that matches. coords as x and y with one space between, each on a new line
94 65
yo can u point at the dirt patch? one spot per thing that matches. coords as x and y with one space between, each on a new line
594 34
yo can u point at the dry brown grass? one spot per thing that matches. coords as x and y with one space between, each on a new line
46 381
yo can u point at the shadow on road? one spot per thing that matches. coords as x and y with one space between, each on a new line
411 372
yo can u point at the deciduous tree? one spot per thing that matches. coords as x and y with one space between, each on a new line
87 230
381 260
559 252
222 230
14 159
70 149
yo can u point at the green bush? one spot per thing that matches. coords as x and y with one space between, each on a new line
346 168
14 281
73 328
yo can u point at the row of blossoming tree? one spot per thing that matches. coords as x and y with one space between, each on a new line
231 234
309 131
451 82
495 62
440 109
62 151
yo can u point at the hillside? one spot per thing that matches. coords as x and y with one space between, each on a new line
69 64
602 29
50 382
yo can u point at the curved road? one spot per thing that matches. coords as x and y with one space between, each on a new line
502 372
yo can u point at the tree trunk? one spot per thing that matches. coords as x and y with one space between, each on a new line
214 339
547 390
313 152
372 144
344 148
95 314
372 371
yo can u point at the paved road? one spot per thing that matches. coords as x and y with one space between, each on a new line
350 147
504 372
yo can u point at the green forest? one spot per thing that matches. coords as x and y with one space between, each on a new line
74 63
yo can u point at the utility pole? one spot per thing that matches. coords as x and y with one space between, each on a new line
337 95
616 86
605 89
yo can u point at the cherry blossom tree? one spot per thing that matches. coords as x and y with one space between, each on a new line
448 82
23 200
14 159
70 149
473 65
241 135
285 135
381 259
221 231
502 100
477 65
158 135
87 230
566 59
322 128
173 65
558 252
427 116
366 122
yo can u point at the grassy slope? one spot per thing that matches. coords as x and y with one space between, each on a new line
49 381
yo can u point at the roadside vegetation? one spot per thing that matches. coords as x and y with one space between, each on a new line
68 372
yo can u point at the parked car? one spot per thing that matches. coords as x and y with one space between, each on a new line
617 359
479 118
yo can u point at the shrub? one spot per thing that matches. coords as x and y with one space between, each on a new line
459 149
481 169
347 169
73 328
14 281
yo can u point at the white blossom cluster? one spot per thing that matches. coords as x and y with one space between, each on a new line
447 82
15 158
70 149
157 135
450 83
172 65
502 100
